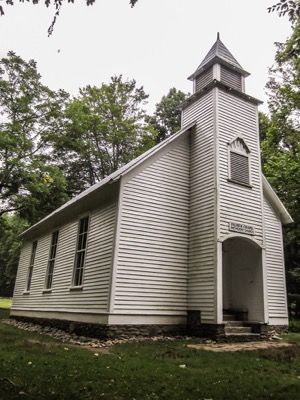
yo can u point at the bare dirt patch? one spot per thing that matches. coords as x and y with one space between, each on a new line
249 346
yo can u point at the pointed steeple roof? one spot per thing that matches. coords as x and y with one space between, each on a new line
219 53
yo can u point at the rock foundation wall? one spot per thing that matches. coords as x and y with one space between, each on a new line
212 331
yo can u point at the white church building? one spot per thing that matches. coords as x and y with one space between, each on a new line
185 238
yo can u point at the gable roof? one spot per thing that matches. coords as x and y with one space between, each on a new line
275 202
109 179
219 53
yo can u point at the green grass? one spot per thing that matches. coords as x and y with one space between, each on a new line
294 325
39 367
5 302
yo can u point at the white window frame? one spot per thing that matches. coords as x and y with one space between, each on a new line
30 267
51 261
79 286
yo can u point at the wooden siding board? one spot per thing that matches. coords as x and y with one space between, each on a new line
231 78
153 244
201 285
276 287
97 270
204 79
237 117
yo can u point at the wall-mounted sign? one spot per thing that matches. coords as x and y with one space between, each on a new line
241 228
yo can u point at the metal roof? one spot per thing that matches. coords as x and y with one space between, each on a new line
276 203
109 179
219 53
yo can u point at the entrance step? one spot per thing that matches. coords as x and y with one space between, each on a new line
229 317
235 323
237 329
242 337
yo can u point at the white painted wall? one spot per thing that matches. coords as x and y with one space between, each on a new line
93 298
152 250
237 203
277 301
201 283
243 278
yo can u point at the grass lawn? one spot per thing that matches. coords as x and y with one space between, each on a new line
5 302
33 366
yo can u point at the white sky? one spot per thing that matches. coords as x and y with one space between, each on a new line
158 42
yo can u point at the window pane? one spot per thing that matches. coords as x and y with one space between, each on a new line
30 268
80 252
51 260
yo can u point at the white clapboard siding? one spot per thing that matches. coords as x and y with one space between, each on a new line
97 272
201 286
204 79
237 117
231 78
277 304
152 254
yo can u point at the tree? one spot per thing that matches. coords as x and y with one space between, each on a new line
167 117
105 129
289 7
10 227
57 5
281 145
30 114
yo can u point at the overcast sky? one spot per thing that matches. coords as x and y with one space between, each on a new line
158 42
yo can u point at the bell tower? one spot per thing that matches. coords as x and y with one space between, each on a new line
219 64
226 191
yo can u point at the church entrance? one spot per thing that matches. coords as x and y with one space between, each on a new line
243 279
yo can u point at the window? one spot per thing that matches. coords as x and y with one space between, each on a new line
51 261
30 268
80 251
239 162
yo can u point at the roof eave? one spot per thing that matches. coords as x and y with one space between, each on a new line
221 85
275 201
114 177
216 60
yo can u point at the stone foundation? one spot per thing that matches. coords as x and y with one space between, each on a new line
267 331
108 331
193 328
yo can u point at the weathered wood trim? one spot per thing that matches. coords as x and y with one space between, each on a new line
218 317
225 88
114 264
77 316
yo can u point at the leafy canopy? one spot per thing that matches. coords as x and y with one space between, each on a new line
105 129
30 113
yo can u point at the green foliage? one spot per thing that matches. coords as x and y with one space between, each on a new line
167 117
10 227
294 325
5 303
31 113
105 129
289 7
281 146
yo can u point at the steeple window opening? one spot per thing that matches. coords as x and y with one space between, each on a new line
239 162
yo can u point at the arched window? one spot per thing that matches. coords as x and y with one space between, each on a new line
239 162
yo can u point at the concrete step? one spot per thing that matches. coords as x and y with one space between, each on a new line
238 329
242 337
235 323
229 317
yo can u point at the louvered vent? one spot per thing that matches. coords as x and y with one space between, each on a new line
239 165
231 78
204 79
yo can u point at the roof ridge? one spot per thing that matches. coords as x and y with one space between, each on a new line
112 177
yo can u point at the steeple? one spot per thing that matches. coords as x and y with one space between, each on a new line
217 62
